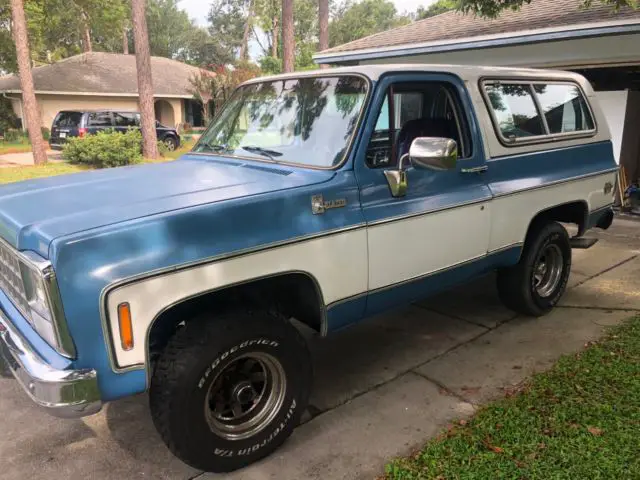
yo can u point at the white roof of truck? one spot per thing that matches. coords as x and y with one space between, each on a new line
471 73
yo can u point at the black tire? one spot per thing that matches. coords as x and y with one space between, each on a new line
171 143
518 286
194 360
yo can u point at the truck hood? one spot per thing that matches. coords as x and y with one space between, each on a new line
35 212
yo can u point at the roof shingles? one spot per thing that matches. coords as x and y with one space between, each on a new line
106 73
538 14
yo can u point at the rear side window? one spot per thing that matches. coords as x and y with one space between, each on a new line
68 120
100 119
515 110
538 111
564 107
125 119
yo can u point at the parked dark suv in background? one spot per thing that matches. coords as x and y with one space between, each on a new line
69 124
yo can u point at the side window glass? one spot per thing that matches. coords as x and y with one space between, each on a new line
383 119
564 107
124 120
100 119
379 149
515 110
408 107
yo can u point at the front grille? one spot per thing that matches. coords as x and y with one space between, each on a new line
10 278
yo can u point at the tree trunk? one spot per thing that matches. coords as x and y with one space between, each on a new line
31 111
87 47
276 37
145 81
323 12
288 40
244 48
125 41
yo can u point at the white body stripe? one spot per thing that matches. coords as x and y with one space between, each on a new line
512 214
406 249
353 262
338 263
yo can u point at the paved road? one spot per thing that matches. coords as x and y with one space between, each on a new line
382 387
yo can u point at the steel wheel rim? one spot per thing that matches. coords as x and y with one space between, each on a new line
244 398
547 271
170 145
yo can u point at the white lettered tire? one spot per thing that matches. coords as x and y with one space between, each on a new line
228 391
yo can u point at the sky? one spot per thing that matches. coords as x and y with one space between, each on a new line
198 9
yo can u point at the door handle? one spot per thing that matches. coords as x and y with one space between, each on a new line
481 169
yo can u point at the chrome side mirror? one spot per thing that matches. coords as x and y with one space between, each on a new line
433 153
426 153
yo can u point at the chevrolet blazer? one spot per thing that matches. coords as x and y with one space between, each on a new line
182 279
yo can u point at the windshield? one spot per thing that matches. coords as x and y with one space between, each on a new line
307 121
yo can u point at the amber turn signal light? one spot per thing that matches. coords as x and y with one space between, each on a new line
126 327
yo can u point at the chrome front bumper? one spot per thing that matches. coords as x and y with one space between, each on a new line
62 393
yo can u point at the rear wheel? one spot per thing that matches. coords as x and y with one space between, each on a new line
536 284
229 391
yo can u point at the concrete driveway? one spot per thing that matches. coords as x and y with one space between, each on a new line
26 159
382 388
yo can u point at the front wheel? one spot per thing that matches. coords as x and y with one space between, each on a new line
535 285
170 143
228 391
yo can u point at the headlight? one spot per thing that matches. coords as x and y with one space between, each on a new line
45 308
41 316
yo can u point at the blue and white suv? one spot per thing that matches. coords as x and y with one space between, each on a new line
326 197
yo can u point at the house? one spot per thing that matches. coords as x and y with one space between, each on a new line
94 81
597 42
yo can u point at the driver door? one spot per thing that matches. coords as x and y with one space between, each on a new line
438 233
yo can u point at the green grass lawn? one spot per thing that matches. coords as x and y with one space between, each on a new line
579 421
17 174
14 147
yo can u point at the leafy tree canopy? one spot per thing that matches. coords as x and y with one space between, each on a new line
436 8
492 8
354 20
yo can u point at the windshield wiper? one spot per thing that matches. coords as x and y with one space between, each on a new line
265 152
213 147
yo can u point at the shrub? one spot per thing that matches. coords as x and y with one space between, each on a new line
162 148
46 134
15 136
105 149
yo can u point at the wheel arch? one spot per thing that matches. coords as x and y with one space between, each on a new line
296 293
576 212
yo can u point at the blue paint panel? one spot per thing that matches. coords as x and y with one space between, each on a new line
345 313
405 293
383 300
427 190
510 174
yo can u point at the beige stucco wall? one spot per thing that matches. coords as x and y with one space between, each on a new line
50 105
